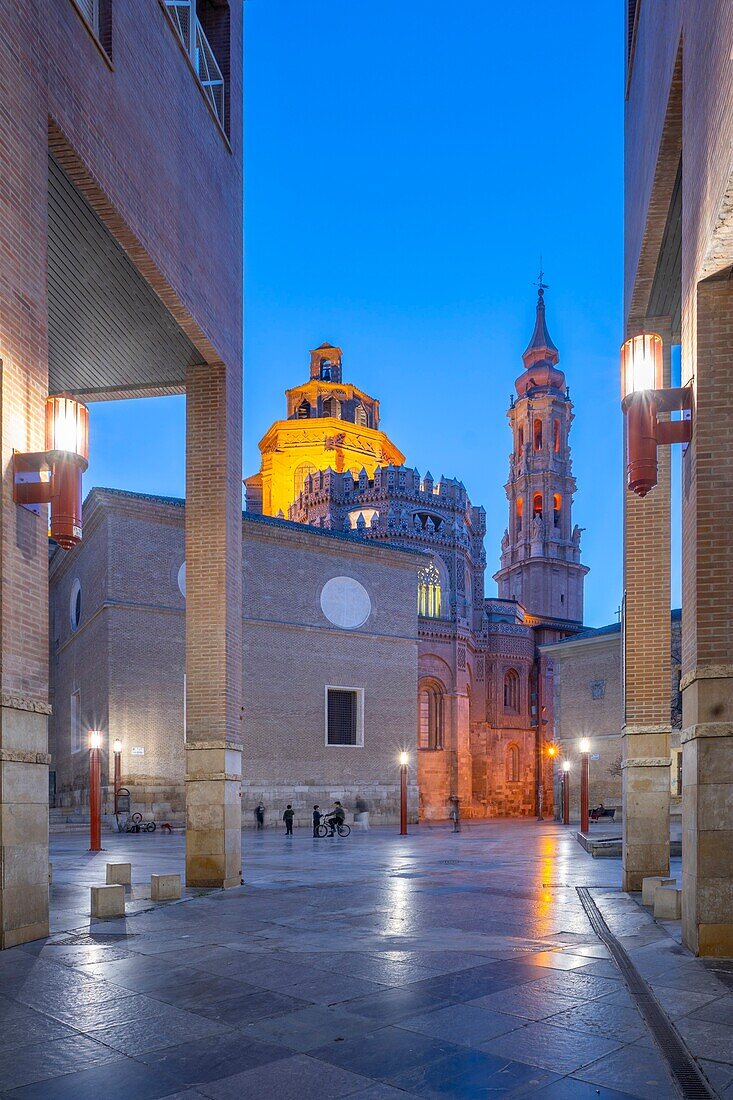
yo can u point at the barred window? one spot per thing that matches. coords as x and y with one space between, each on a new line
344 718
430 717
511 692
428 592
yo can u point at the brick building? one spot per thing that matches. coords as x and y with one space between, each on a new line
120 276
329 669
677 283
588 701
484 710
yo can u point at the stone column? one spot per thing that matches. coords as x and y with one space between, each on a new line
646 662
461 780
707 635
213 625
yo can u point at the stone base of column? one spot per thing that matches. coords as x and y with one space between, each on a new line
213 814
23 822
707 839
646 794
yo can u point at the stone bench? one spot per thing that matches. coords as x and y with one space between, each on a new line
165 887
649 885
667 903
108 901
119 874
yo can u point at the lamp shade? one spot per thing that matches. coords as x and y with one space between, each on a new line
641 364
117 745
95 739
67 426
404 759
584 744
566 765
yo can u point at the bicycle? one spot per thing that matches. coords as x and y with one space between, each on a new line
325 830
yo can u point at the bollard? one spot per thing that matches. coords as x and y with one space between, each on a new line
667 903
165 887
108 901
649 885
119 874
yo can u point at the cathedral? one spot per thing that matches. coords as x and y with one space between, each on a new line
485 728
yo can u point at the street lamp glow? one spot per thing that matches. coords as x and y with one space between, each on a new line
584 745
404 758
117 745
641 364
566 765
95 739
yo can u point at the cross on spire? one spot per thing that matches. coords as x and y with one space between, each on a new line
541 284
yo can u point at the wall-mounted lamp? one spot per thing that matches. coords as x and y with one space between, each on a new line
53 476
642 398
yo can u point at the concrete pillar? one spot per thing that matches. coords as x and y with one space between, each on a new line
647 657
707 635
461 764
213 625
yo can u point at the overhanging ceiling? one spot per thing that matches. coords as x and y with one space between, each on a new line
665 299
109 334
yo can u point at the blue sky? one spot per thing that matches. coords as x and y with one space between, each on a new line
407 161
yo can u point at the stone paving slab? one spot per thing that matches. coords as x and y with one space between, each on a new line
375 967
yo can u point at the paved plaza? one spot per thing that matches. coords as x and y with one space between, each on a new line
372 967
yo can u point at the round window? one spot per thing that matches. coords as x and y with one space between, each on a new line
75 604
182 580
345 602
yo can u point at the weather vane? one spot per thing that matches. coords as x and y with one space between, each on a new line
541 284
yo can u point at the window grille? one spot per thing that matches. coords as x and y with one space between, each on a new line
198 48
342 717
332 407
75 721
360 416
429 592
511 691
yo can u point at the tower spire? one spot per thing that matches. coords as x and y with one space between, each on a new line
540 347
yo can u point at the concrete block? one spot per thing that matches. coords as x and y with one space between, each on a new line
108 901
119 874
165 887
649 885
667 903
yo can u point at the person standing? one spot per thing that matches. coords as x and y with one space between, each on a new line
288 819
455 814
316 819
260 815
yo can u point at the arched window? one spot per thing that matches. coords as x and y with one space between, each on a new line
360 416
331 407
537 505
538 435
556 436
520 441
511 692
301 473
325 370
303 411
520 513
430 717
556 508
428 592
512 764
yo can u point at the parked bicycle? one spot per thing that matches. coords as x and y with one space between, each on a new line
137 825
325 830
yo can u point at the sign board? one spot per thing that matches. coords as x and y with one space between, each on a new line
593 755
137 750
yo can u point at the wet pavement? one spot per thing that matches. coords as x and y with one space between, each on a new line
373 967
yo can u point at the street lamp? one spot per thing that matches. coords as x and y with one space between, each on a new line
53 476
566 792
642 398
584 780
551 753
403 793
95 791
117 746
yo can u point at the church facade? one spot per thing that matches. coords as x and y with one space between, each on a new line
484 713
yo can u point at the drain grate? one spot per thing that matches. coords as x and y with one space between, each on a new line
688 1078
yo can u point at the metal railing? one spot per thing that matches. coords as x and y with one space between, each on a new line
198 48
90 11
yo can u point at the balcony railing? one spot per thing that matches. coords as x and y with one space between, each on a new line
183 13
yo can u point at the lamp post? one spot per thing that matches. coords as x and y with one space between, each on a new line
403 793
118 754
551 753
566 792
584 779
95 792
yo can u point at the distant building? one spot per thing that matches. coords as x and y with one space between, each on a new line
329 670
588 702
484 709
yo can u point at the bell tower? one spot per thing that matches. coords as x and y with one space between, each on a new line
540 550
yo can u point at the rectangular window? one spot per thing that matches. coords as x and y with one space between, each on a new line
75 721
344 716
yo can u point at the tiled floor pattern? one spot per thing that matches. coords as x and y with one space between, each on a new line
375 967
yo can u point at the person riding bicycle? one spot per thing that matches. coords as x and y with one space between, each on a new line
336 817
